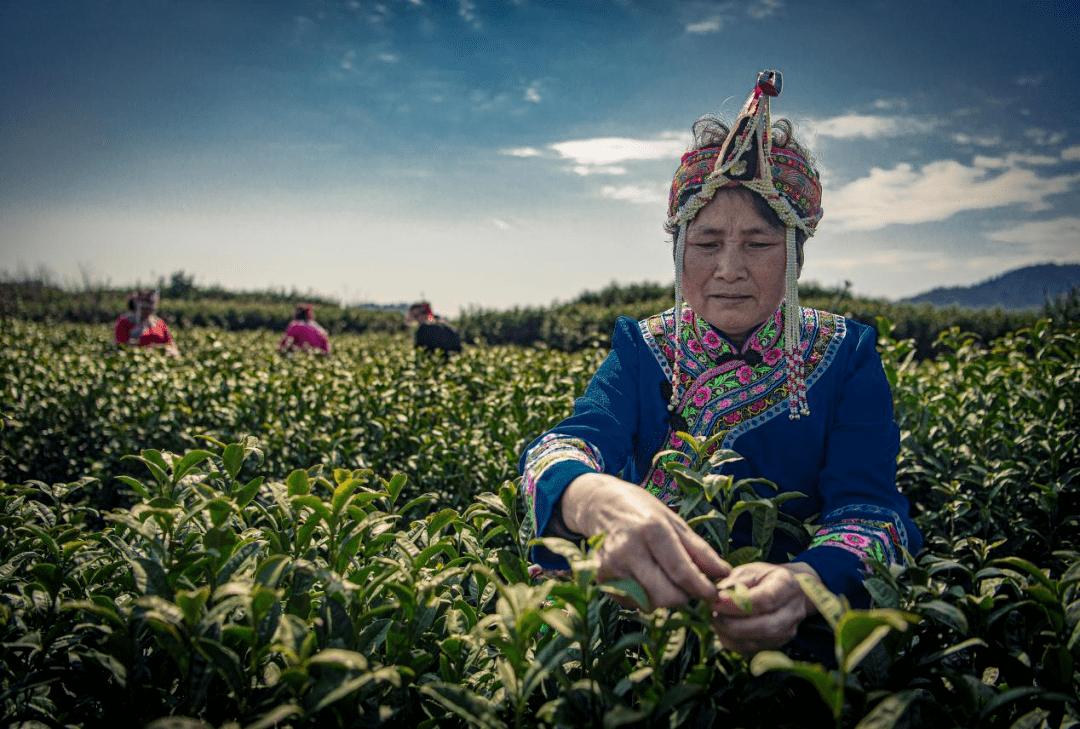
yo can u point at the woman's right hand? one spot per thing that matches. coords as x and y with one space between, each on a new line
644 540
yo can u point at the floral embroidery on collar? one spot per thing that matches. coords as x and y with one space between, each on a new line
724 387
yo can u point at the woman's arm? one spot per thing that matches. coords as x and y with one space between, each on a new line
123 329
863 515
571 486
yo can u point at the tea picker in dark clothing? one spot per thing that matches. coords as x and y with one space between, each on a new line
801 393
432 333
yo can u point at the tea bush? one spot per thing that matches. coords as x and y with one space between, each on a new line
75 404
352 561
587 322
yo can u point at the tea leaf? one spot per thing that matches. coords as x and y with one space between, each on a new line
135 485
945 613
630 588
888 711
826 603
233 458
298 483
188 462
474 708
275 717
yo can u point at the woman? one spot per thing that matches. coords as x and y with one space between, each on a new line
304 333
432 333
802 393
141 327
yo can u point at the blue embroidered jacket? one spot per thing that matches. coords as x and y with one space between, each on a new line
843 456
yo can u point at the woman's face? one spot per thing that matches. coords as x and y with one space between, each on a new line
733 265
144 308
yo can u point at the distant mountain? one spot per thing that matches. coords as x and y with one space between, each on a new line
1023 288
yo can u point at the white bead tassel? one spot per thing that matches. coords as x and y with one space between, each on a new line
797 404
680 247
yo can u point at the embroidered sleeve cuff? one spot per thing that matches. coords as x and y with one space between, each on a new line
847 539
549 467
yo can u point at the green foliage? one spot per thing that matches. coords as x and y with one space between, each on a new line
75 404
352 561
587 322
712 502
184 305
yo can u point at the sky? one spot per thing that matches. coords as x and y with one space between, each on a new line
500 153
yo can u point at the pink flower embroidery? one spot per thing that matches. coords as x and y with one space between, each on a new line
772 356
676 441
707 417
725 403
856 540
732 418
711 339
744 374
687 316
658 478
694 346
702 396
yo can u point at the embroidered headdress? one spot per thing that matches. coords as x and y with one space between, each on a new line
782 177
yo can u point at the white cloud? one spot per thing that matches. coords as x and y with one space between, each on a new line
1044 137
637 194
1071 154
533 93
960 138
388 57
500 224
1034 80
604 151
522 152
938 191
467 11
584 170
712 25
1012 159
867 126
764 8
348 60
888 104
1054 233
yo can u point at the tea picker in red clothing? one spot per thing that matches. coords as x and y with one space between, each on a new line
141 327
304 333
801 394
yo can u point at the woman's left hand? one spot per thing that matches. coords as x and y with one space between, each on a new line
778 605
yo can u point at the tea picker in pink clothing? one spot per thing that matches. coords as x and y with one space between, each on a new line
801 393
304 333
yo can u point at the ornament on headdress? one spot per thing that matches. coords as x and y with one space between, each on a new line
783 178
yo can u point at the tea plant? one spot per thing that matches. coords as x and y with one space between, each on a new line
352 561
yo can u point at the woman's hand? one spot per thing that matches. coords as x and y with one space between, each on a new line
778 605
644 540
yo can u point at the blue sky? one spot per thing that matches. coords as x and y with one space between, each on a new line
514 152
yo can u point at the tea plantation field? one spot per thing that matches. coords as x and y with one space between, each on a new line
236 539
